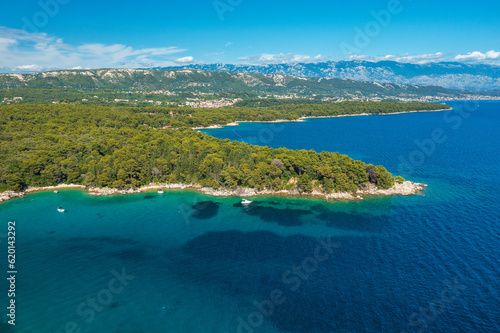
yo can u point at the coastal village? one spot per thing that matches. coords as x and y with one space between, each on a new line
206 100
8 101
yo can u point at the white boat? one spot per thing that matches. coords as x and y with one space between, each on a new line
161 192
246 202
56 191
60 210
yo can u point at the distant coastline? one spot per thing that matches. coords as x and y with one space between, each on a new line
405 189
301 119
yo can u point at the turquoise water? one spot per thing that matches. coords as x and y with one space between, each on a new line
195 263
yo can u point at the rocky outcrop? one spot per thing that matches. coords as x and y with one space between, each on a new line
7 195
50 188
405 188
340 196
97 191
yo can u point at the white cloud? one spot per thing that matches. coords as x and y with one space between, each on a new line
185 60
6 42
490 57
25 51
477 56
28 68
283 58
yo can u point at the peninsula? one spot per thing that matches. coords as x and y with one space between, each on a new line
126 150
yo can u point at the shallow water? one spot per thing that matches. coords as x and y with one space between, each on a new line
202 264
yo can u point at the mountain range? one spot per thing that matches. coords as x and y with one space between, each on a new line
451 75
214 82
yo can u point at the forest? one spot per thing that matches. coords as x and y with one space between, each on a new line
120 147
269 102
202 117
102 96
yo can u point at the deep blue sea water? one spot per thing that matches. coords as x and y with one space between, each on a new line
195 263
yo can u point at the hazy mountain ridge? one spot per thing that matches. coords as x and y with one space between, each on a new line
451 75
209 81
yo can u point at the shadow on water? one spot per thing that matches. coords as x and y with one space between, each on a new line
239 263
347 221
121 248
329 296
6 328
135 254
205 210
254 264
114 305
270 211
289 217
102 240
354 221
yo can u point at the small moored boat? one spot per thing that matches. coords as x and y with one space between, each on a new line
161 192
60 210
56 191
246 202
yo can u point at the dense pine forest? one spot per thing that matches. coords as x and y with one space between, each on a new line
102 96
123 147
202 117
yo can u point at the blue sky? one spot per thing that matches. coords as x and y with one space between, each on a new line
47 34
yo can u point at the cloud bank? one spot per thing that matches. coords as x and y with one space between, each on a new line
282 58
23 51
405 58
488 57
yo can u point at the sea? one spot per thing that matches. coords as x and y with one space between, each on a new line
183 261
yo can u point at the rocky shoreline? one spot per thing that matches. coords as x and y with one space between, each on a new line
406 188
